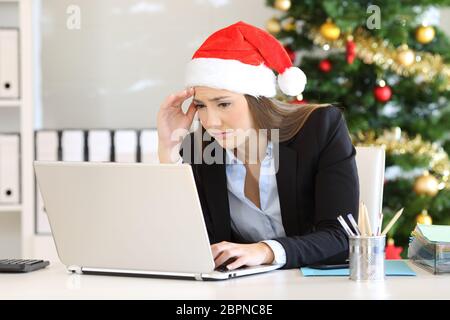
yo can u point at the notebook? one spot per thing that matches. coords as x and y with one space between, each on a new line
392 268
435 233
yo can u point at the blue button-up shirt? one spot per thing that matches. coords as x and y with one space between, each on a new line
247 220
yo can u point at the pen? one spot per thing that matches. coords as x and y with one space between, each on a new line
345 226
354 224
380 224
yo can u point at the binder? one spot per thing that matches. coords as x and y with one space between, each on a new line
72 144
9 63
9 169
47 145
99 145
149 146
125 145
46 149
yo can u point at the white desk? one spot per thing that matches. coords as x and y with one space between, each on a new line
55 283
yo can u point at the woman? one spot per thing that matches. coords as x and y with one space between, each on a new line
280 203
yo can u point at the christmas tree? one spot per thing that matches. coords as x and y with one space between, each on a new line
388 68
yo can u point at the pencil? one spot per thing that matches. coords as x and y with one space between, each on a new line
361 223
391 223
367 221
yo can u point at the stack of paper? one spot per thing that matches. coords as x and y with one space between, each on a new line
430 247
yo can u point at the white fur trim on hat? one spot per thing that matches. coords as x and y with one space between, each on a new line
292 81
231 75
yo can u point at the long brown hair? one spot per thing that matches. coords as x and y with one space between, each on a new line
270 113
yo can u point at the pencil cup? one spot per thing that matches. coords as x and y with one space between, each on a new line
367 258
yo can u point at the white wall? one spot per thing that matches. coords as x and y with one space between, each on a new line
126 57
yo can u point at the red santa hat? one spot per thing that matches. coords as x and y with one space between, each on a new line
240 58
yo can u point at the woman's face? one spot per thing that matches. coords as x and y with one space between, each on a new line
224 114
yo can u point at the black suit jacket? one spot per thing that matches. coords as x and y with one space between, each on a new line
317 181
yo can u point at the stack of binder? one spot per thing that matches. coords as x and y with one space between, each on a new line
104 145
429 247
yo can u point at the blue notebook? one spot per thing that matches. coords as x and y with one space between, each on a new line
392 268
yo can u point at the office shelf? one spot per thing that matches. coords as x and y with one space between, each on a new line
10 103
10 208
25 12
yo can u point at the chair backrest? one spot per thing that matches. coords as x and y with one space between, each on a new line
371 164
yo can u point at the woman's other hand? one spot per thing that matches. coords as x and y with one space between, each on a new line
173 124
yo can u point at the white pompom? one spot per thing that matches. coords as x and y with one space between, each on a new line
292 81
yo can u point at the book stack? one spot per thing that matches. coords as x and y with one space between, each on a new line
429 247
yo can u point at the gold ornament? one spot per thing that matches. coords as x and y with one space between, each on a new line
273 26
288 24
282 5
289 27
424 218
425 34
426 184
396 142
330 31
405 56
380 52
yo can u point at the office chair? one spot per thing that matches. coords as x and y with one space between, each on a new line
370 162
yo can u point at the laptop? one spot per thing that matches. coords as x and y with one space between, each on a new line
131 219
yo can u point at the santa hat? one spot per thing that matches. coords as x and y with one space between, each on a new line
240 58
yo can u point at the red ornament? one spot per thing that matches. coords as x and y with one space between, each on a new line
393 252
325 65
290 53
382 94
296 101
350 50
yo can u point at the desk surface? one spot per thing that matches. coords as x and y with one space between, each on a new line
55 283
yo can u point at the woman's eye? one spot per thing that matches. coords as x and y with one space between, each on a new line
222 105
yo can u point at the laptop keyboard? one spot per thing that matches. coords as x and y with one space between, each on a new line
223 268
